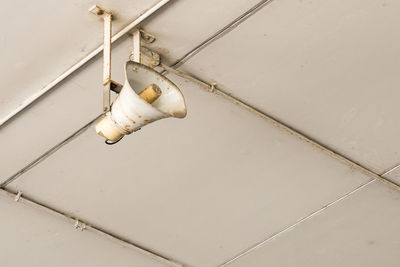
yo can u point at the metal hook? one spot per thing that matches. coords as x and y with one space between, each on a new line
112 143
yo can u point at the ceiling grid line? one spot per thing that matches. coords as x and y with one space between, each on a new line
282 134
229 27
391 170
213 88
178 63
181 61
219 34
91 227
30 100
302 136
47 153
298 222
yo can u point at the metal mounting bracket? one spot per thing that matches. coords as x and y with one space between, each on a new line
147 37
137 43
108 84
141 54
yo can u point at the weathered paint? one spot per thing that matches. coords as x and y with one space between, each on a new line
135 107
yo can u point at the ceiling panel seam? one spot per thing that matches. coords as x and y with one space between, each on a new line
229 27
233 99
217 91
391 170
32 99
302 136
298 222
48 153
181 61
90 227
213 88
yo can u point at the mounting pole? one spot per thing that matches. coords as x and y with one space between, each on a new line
107 61
108 84
136 38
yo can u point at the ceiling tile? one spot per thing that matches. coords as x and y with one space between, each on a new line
42 39
199 189
77 100
326 68
36 53
361 230
183 25
35 237
72 104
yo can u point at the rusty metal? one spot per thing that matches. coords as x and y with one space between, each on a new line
96 10
149 58
142 54
134 106
136 42
147 37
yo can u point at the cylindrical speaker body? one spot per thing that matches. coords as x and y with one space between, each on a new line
130 112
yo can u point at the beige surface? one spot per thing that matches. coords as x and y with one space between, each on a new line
394 174
185 24
328 68
78 100
224 180
42 39
34 237
361 230
59 114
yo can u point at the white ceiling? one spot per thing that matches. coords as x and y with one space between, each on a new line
328 69
42 39
394 174
45 239
355 232
225 179
181 208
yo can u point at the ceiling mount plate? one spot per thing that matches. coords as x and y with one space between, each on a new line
98 11
147 37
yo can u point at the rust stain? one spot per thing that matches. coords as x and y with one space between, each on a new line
130 119
128 128
159 50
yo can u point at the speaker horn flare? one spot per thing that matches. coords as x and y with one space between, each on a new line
146 96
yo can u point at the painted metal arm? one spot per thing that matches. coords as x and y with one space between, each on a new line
107 62
108 83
